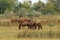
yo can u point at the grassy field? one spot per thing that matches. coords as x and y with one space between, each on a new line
10 31
47 33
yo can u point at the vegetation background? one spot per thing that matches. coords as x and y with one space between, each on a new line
48 14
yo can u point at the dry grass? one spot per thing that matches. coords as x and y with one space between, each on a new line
30 39
12 33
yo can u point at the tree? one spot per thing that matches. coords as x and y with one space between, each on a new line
55 3
3 7
6 4
39 6
50 8
26 5
17 7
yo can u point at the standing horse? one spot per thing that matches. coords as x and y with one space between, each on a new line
31 24
27 22
23 22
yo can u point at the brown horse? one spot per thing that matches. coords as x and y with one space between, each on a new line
23 22
31 24
27 22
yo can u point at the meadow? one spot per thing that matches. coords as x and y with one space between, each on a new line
10 31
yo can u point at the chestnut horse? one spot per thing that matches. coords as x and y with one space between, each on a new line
31 24
27 22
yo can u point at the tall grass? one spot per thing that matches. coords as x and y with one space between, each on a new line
35 34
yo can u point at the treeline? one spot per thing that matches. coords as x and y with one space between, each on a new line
11 8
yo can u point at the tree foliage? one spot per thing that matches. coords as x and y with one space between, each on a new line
28 9
6 4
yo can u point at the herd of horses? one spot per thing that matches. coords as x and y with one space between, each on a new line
31 24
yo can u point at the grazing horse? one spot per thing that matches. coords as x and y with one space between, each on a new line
27 22
31 24
23 22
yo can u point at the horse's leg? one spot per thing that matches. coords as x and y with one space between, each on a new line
39 26
19 26
35 27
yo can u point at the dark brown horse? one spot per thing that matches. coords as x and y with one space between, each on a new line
27 22
23 22
31 24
